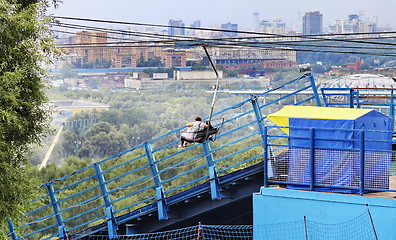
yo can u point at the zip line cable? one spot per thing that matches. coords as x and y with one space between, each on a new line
262 45
228 39
107 30
124 32
287 43
185 42
220 45
214 29
237 40
312 36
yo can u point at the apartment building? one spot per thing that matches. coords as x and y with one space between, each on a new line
354 24
96 46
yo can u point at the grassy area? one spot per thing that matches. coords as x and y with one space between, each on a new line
52 95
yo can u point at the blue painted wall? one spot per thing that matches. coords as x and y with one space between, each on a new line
274 206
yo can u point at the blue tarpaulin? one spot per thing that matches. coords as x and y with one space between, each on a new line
337 144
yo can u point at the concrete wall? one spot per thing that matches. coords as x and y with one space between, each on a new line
160 75
188 75
274 206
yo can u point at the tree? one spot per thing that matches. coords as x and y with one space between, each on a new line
151 62
69 142
25 45
66 71
97 128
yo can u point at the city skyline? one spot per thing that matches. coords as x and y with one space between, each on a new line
215 13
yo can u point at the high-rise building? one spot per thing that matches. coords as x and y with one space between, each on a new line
265 26
256 21
277 26
353 25
312 23
196 24
176 28
229 27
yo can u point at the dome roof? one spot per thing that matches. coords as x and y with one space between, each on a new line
360 81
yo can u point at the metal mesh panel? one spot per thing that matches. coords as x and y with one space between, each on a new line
337 167
299 165
377 169
280 165
333 168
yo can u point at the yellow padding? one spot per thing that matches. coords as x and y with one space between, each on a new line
281 117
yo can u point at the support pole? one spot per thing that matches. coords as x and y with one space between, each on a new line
392 110
372 222
213 178
266 152
314 89
11 228
263 134
161 201
305 228
58 215
112 226
357 99
351 98
361 157
312 158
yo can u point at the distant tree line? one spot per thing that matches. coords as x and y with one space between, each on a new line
133 118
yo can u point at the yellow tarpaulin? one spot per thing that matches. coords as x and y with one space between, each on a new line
281 117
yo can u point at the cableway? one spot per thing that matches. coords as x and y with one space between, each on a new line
357 43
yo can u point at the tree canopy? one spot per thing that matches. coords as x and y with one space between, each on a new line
25 45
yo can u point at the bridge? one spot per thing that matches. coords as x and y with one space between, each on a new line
157 186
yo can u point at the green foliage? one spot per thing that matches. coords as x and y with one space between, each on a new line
66 71
98 63
25 44
133 118
151 62
282 77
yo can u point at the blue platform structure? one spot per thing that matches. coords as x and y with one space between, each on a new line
296 214
156 186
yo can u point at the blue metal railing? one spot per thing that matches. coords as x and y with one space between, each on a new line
380 99
142 179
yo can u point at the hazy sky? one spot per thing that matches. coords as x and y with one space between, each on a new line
215 12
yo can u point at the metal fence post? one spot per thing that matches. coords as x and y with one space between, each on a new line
58 215
11 228
392 110
314 89
351 98
312 158
111 218
215 187
266 152
361 158
263 134
161 201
